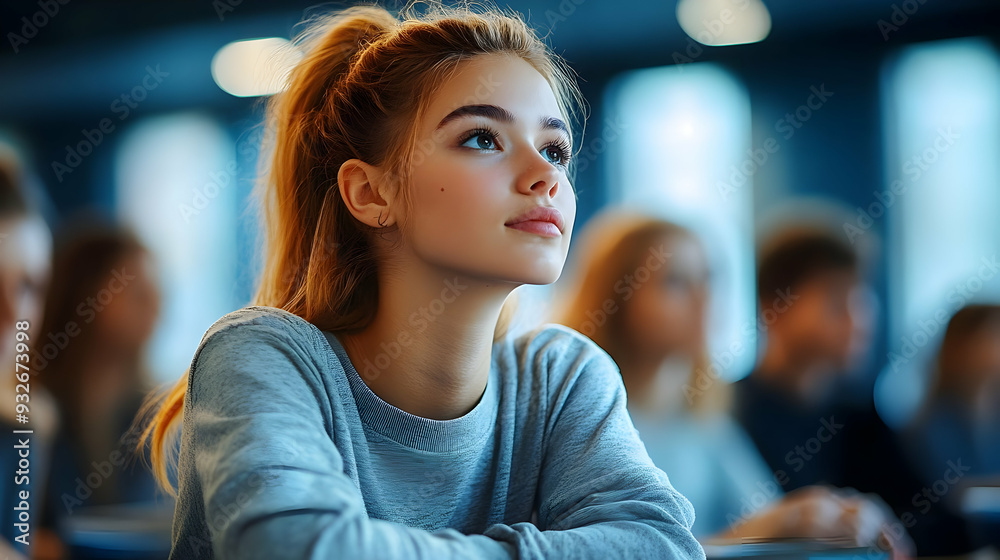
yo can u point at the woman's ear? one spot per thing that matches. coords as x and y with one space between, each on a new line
362 190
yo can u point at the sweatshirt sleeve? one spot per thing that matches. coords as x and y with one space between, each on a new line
272 480
600 496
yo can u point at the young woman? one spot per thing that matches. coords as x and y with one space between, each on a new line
642 295
103 283
960 416
368 404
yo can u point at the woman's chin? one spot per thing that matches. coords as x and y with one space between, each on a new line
538 277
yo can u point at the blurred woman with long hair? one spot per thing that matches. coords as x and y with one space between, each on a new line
960 418
102 306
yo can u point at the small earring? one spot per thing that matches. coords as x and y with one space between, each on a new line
380 223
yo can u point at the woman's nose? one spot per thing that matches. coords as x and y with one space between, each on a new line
539 177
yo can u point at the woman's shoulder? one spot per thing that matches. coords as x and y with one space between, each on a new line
552 340
255 322
256 335
273 317
561 356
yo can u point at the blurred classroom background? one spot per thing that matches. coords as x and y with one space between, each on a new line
137 127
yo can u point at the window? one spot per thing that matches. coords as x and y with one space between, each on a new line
941 105
683 153
175 184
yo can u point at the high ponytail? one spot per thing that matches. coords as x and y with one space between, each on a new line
364 81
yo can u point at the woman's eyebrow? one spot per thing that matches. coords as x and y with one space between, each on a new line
501 115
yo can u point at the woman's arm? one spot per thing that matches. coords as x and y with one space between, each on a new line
272 481
600 495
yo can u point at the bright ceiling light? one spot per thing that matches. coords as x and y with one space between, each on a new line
254 67
724 22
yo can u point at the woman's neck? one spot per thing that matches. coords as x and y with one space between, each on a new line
428 350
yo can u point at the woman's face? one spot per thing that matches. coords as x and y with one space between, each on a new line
667 312
131 315
491 147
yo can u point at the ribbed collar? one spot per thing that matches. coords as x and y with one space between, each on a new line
415 431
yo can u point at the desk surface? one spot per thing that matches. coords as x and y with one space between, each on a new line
791 549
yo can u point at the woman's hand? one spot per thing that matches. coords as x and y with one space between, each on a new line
821 512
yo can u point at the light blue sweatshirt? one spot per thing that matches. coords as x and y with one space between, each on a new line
286 453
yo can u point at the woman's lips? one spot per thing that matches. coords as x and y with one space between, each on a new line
545 229
540 220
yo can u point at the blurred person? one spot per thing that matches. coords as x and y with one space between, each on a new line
793 404
960 420
642 295
25 263
370 403
102 306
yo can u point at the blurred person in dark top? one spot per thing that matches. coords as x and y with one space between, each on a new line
794 406
25 262
103 304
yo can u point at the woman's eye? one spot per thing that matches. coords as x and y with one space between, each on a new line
482 141
555 155
486 139
558 154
